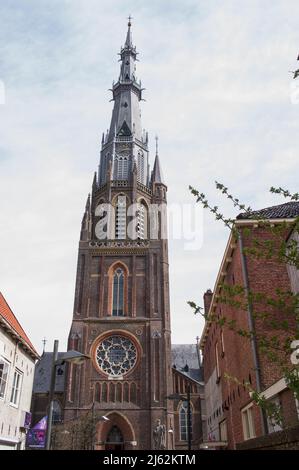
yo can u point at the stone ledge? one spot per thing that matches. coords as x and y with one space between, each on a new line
285 439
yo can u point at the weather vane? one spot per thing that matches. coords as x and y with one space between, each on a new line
130 18
157 139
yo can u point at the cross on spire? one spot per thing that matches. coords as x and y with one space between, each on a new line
157 140
44 341
130 18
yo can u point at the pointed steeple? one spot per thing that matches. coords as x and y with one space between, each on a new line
87 205
125 141
128 42
94 183
157 175
128 56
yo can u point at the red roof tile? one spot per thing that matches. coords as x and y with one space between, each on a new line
8 315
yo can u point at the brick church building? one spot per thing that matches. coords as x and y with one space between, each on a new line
121 313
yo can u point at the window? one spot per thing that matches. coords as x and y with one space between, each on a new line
293 271
4 367
57 414
116 355
122 168
118 293
184 421
141 222
140 167
120 217
16 388
248 422
223 431
273 424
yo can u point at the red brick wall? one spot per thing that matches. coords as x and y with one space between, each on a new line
237 361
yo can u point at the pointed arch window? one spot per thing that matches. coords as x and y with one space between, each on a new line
120 217
118 293
122 168
118 278
183 413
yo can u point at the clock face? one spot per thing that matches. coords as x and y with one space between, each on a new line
116 355
124 149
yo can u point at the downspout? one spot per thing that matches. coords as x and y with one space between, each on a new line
256 362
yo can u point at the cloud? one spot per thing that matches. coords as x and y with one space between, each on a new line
218 95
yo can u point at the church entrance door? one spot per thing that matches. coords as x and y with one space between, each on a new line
115 440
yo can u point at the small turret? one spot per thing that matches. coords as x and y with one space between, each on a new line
157 176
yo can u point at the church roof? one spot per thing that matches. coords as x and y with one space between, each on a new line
183 354
42 374
193 374
157 175
288 210
14 325
185 361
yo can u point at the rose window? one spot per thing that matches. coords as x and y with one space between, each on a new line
116 355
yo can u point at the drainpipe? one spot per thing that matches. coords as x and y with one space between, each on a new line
256 362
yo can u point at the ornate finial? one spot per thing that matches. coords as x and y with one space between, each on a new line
44 344
157 139
130 18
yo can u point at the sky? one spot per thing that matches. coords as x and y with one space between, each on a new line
218 94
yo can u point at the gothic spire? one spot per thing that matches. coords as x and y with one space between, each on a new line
157 176
128 42
126 141
127 93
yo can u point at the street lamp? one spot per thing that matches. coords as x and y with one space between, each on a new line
178 396
72 356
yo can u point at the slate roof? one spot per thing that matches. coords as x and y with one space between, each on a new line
42 375
183 354
289 210
157 175
7 314
195 374
186 355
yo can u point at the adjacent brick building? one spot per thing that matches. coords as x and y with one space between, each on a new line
232 417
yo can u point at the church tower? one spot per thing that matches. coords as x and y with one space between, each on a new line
121 313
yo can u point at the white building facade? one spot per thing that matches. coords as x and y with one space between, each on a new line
17 360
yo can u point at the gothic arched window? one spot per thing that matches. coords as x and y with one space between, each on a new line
126 391
120 217
118 293
183 413
133 394
97 392
118 280
122 167
104 392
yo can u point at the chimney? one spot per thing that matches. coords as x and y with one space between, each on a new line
207 299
